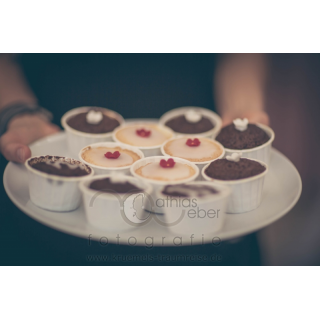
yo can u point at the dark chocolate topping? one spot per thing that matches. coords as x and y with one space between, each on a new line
105 185
181 125
224 169
45 164
79 122
183 190
232 138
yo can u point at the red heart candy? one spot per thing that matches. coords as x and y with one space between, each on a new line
193 143
167 163
143 133
114 155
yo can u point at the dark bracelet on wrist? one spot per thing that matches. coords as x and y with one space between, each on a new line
14 109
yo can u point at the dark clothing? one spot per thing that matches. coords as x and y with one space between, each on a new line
134 85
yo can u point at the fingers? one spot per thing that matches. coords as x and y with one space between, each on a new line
260 117
253 117
227 120
23 131
16 152
50 129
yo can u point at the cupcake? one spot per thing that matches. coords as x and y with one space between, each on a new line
108 157
252 140
196 149
116 202
53 182
160 171
244 176
192 121
194 207
146 136
87 125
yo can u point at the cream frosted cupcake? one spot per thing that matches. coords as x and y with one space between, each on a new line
146 136
160 171
87 125
107 157
166 170
196 149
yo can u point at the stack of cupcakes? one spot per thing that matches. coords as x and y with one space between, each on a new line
159 161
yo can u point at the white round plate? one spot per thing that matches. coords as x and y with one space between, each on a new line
282 191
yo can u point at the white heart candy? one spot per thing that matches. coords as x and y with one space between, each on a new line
193 116
240 124
118 178
235 157
94 117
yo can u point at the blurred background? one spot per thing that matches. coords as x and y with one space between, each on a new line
293 104
147 85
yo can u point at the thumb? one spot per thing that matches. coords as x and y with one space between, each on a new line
259 117
226 119
16 152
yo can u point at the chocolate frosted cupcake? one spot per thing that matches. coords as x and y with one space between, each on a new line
93 121
193 206
189 190
116 202
223 169
191 121
87 125
244 176
112 185
252 137
252 140
53 182
59 166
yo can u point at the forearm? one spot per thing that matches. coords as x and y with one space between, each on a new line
13 86
240 84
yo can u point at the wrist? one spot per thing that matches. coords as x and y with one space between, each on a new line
26 118
19 98
11 113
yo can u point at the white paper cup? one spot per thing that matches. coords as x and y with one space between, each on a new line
108 170
148 151
77 139
262 153
194 215
246 194
53 192
216 120
157 184
115 212
200 164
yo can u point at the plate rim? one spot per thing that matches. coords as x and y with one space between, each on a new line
74 231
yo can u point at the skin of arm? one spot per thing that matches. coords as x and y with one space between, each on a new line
22 129
239 87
